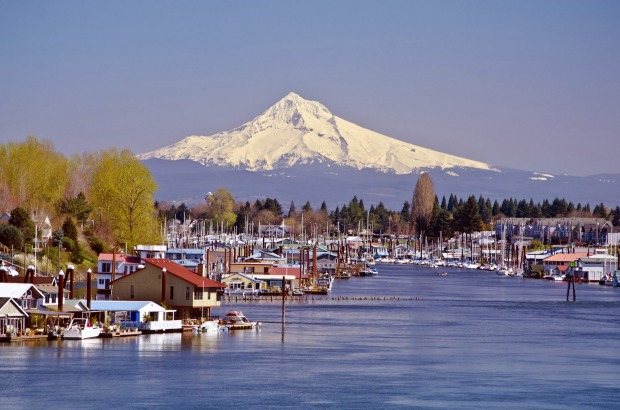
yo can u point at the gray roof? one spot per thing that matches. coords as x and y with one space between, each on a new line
16 290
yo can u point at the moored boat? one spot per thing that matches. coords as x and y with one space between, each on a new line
368 271
209 326
81 329
236 320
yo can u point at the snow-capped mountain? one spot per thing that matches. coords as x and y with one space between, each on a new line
297 150
295 131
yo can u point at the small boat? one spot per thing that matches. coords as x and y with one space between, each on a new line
368 271
297 292
442 273
81 329
316 290
209 326
189 324
235 320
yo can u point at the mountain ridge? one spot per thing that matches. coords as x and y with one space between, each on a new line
296 131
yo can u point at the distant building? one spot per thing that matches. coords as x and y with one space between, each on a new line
124 265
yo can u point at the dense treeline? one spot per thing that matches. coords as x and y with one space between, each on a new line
448 216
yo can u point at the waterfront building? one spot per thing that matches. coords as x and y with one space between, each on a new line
241 284
557 230
191 294
561 262
145 316
25 294
187 257
112 266
12 316
594 267
150 251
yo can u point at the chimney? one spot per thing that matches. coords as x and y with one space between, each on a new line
201 269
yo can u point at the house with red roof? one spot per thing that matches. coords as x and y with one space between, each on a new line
560 262
191 294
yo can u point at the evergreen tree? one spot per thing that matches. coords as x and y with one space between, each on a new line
452 203
69 229
21 220
11 236
615 220
486 214
405 213
600 211
496 209
324 208
522 209
291 210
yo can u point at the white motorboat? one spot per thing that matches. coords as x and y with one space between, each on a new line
209 326
81 329
236 320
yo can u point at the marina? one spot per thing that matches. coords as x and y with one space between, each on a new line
470 340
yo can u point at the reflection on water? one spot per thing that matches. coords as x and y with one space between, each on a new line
407 337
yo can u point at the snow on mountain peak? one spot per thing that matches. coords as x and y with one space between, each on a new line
297 131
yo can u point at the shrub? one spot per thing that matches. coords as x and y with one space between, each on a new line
11 236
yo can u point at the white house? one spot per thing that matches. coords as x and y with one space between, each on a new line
146 316
125 264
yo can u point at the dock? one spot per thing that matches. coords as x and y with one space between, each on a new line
13 338
120 333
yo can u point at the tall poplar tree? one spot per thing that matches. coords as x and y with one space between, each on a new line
422 203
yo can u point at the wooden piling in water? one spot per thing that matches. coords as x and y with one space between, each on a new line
571 280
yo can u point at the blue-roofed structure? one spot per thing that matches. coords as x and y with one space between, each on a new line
143 315
187 257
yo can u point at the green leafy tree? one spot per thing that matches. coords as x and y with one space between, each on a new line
122 193
32 174
220 208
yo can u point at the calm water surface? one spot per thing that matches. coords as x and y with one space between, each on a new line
407 338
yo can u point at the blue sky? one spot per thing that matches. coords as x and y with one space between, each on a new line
533 85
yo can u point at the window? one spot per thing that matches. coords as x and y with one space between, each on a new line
187 294
198 294
106 267
131 292
171 292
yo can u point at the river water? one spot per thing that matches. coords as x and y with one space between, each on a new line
406 338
